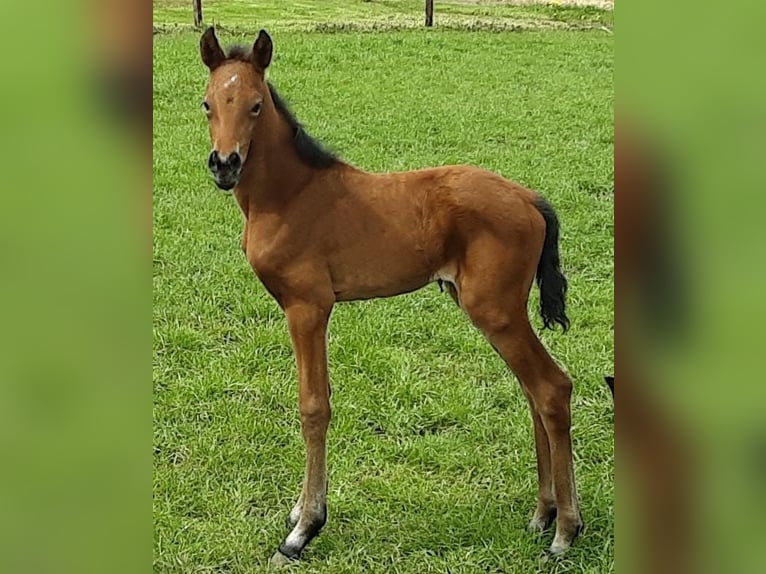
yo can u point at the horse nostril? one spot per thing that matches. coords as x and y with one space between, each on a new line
234 161
214 161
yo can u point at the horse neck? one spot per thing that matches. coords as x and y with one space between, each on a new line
273 173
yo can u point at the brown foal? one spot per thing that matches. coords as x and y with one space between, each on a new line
318 231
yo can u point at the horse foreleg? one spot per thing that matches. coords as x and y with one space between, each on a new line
308 331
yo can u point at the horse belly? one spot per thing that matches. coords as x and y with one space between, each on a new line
373 277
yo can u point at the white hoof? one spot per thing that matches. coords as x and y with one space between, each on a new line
559 546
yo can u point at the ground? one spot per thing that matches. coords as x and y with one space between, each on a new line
333 15
430 451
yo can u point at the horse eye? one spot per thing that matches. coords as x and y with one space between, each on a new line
256 109
206 106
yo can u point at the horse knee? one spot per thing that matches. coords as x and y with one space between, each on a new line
315 415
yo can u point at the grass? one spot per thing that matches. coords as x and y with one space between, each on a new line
430 450
321 14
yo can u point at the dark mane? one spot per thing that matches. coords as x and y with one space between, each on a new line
308 149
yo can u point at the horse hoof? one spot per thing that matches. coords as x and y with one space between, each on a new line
279 560
562 543
541 521
559 548
538 525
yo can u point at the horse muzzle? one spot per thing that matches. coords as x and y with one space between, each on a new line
225 169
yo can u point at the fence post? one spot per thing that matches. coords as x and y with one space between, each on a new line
429 13
197 13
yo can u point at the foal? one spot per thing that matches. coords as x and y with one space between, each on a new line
318 231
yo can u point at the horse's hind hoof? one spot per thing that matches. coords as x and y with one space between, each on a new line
563 543
541 521
279 560
559 548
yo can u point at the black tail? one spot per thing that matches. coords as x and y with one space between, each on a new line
550 279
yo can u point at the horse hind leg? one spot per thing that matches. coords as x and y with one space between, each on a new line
545 512
501 315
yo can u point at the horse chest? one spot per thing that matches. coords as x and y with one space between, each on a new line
270 253
264 258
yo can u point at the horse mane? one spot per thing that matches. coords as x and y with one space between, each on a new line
309 150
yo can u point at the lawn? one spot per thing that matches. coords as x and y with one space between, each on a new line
313 15
431 457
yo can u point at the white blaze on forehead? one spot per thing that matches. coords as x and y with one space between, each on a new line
231 81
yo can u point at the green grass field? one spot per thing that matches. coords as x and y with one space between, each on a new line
431 457
308 15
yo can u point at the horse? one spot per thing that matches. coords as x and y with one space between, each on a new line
319 231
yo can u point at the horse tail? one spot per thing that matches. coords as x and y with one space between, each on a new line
550 279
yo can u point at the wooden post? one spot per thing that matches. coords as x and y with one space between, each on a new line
429 13
197 13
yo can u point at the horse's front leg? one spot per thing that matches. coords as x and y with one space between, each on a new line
308 330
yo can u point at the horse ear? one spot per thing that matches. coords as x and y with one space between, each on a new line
210 49
262 51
